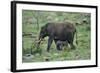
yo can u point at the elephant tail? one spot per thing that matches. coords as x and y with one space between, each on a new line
76 37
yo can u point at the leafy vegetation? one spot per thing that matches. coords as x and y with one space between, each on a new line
32 21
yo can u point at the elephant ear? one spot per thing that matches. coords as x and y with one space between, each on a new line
43 28
47 25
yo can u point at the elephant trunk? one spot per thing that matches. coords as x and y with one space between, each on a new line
39 40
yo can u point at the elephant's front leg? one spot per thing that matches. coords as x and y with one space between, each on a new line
50 40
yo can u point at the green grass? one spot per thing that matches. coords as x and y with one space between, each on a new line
82 51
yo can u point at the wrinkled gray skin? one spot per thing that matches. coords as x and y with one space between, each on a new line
58 32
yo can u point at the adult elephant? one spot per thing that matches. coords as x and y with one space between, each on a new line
58 32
